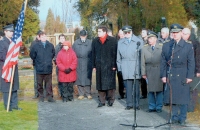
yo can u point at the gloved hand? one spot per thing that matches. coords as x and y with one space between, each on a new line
67 71
119 73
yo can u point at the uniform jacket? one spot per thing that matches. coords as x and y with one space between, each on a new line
66 59
150 66
43 57
182 67
5 86
104 59
84 69
126 57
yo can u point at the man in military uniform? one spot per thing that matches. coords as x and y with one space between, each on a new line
177 70
150 69
5 86
126 63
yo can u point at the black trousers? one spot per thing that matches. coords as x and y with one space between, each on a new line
67 90
47 79
143 87
110 95
121 84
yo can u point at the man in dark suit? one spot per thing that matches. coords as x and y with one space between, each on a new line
5 86
177 70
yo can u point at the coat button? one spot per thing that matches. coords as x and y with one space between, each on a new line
178 75
171 74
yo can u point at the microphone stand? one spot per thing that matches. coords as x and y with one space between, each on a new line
134 93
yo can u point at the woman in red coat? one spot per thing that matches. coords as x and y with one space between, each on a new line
67 63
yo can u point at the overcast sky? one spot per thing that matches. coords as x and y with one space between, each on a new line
56 6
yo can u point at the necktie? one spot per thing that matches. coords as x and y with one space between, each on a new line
44 44
152 47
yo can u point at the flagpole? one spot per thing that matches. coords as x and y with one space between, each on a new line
13 72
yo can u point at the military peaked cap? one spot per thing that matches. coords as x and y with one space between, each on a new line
9 27
126 28
175 28
151 34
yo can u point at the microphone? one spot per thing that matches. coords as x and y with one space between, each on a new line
138 44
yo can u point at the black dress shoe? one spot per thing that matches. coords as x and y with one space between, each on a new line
158 110
17 108
41 99
151 110
110 104
64 99
101 105
120 97
10 109
128 108
138 108
51 100
143 97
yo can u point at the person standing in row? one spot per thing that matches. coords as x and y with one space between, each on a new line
83 50
144 37
119 74
150 69
67 63
104 50
177 70
58 47
5 86
43 54
127 55
36 41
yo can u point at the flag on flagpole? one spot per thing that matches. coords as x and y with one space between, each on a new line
14 47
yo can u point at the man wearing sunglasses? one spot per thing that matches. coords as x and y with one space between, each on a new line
127 55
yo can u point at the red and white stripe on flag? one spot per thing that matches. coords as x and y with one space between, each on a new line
14 47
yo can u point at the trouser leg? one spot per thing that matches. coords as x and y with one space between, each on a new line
159 100
121 85
81 90
143 87
13 99
129 92
102 96
87 90
40 79
59 83
70 90
183 112
48 82
35 82
151 100
136 93
111 95
64 90
175 115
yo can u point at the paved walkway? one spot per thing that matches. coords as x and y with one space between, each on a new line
84 115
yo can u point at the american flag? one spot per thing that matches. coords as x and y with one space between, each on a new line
14 47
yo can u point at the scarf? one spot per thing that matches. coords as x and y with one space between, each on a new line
103 39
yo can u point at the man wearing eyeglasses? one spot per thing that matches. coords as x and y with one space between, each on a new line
127 55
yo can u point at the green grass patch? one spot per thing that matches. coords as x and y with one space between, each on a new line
27 119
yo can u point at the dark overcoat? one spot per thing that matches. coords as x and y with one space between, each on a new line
104 60
150 66
84 69
5 86
43 57
182 67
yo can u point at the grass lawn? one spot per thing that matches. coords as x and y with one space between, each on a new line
27 119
